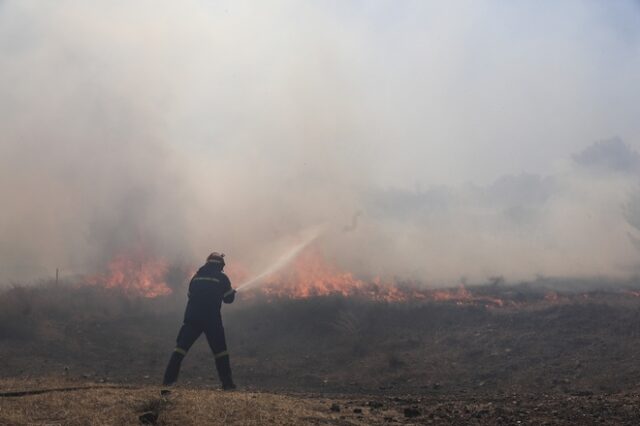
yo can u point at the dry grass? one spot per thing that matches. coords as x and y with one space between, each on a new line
103 405
123 406
82 407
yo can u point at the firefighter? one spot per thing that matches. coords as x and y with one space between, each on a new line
208 288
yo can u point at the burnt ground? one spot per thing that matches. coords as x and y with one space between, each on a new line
550 358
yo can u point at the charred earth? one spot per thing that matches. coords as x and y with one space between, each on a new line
491 344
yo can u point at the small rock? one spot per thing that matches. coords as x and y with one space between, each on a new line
411 412
480 413
148 418
375 404
335 407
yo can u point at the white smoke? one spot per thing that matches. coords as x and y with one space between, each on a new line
188 127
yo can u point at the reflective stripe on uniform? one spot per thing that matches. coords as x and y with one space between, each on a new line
221 354
229 293
205 279
180 351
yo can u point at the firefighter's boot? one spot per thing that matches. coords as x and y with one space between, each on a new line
173 368
224 372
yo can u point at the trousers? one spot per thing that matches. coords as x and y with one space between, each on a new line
188 334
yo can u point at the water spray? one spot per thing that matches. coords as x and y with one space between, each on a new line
281 262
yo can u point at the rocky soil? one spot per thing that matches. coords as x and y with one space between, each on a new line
83 403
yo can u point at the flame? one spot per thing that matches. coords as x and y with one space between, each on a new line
136 274
461 296
310 275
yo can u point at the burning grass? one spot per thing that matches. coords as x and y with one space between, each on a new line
136 274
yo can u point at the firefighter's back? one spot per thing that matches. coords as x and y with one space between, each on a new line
206 291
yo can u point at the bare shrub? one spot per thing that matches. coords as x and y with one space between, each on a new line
394 361
16 320
351 326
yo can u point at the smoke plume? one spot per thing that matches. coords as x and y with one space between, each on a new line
435 142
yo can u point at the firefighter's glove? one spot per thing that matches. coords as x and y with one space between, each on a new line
229 296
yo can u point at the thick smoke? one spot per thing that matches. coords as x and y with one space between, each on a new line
433 141
582 222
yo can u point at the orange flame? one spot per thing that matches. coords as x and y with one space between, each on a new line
135 274
310 275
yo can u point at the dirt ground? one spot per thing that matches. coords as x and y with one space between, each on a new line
566 359
82 403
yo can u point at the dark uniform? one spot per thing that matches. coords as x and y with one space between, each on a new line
209 287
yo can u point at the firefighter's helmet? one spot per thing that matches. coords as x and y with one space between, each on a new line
216 257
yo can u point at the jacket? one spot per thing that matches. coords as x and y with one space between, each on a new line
208 288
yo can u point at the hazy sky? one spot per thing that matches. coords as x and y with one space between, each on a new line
198 125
